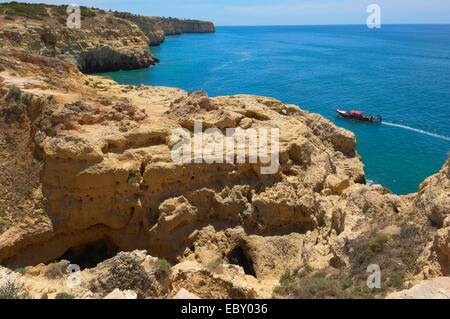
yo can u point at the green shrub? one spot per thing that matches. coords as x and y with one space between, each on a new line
409 257
348 281
317 286
386 190
215 266
397 279
64 295
10 289
59 10
87 13
14 94
30 11
281 290
54 271
287 283
132 179
366 292
305 271
288 277
105 102
21 271
177 101
163 268
376 244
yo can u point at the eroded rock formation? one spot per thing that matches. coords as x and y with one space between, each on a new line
103 43
108 171
156 28
173 26
88 176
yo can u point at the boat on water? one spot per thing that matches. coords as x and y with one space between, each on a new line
357 115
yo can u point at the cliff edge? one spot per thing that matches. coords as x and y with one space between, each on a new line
156 28
104 43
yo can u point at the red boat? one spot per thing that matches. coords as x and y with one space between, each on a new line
357 115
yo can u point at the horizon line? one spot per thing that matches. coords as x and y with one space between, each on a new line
318 25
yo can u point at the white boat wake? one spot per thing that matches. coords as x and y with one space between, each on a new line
418 131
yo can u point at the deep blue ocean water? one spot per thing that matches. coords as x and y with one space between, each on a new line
399 71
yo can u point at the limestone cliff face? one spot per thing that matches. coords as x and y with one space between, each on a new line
104 43
152 30
172 26
87 172
434 197
433 200
156 28
108 171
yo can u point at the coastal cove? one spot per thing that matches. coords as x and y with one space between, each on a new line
321 68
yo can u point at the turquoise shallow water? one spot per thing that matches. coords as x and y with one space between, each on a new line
401 72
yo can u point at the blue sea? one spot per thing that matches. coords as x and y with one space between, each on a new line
399 71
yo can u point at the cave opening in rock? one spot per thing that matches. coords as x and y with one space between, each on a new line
91 254
238 257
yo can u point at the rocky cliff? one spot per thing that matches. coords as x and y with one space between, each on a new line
108 169
152 30
157 28
173 26
88 178
103 43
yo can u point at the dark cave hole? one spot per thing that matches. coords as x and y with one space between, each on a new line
142 169
91 254
238 257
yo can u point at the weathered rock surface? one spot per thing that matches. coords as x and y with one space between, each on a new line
433 200
100 181
184 294
119 294
88 175
434 197
103 43
113 278
173 26
156 28
438 288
